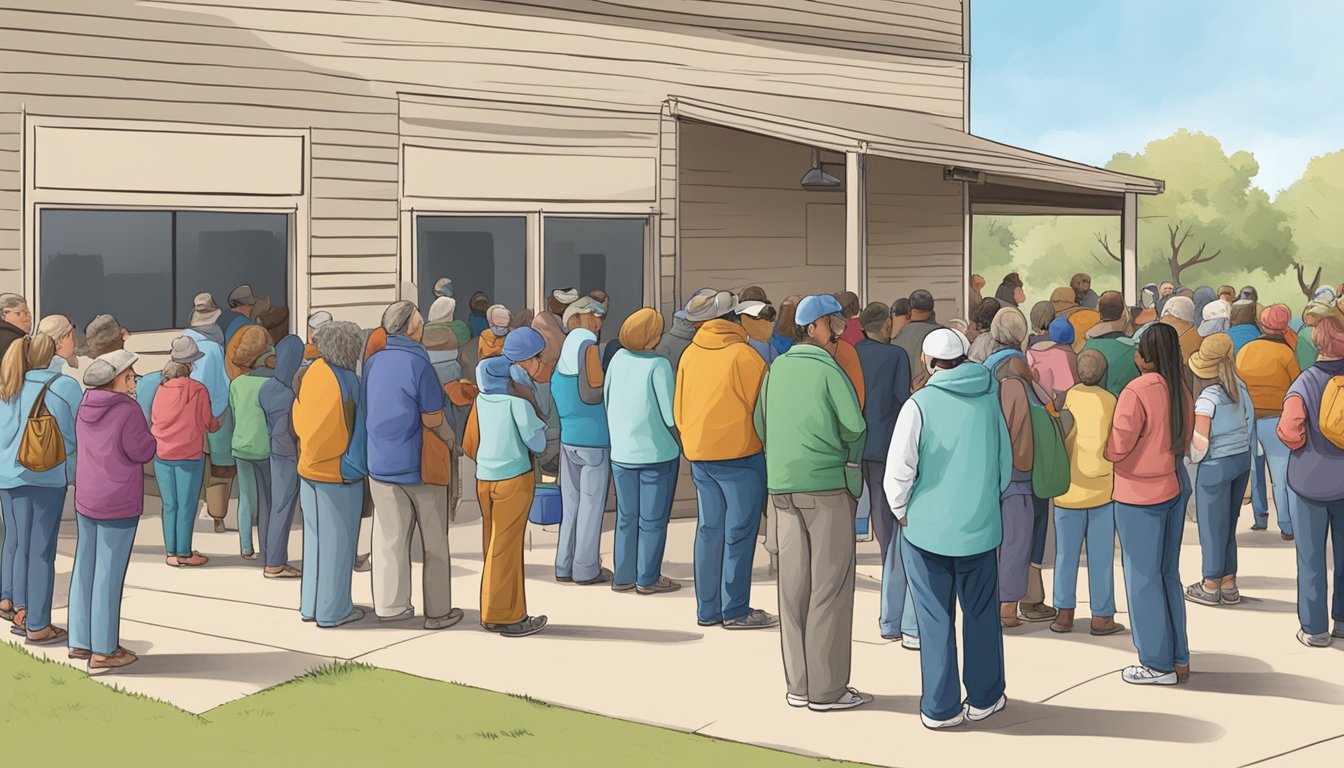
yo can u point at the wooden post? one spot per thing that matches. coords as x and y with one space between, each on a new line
856 224
1129 249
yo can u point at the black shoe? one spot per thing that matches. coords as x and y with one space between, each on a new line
530 625
1286 536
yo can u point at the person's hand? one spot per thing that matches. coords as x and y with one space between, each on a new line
903 521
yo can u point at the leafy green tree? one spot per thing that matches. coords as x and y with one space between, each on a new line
1314 211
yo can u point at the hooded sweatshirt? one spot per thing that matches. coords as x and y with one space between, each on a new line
181 418
809 420
718 382
114 445
1110 340
277 397
677 339
62 400
507 429
251 437
330 425
1268 367
945 486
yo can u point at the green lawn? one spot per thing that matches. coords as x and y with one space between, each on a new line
344 714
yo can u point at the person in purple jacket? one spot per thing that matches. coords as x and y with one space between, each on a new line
114 444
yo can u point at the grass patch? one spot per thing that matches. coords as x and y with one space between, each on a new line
336 714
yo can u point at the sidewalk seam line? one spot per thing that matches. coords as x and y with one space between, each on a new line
1291 751
233 639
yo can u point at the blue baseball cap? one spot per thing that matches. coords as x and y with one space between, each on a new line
523 344
813 308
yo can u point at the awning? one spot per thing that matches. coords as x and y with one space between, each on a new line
1008 176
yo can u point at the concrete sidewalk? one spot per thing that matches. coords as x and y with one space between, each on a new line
214 634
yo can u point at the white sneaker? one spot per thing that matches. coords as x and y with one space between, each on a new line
935 725
1141 675
1314 641
797 702
849 700
976 715
909 643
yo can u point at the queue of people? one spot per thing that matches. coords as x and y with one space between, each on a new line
964 436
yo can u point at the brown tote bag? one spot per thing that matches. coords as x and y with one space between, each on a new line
42 447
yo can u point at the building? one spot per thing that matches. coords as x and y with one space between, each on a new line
332 154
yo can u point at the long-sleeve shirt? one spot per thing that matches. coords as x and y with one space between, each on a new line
209 370
1140 443
180 419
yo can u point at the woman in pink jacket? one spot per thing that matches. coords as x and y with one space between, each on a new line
1150 434
1054 362
179 419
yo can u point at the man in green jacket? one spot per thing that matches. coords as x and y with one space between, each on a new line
809 420
1112 339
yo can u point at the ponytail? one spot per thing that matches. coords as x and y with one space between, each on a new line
1161 347
12 369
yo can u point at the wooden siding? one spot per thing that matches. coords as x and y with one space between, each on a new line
914 233
11 193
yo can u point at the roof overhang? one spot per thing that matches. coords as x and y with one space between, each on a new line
1002 178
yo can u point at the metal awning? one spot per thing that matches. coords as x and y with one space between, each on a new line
1007 179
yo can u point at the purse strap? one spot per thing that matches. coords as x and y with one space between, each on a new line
40 404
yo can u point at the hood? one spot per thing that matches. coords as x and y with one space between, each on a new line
719 334
682 328
210 331
288 358
492 376
966 380
99 403
569 353
1101 329
1213 325
1006 295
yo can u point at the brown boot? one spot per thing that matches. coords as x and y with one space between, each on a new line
1008 615
1182 673
1106 625
1063 621
1032 607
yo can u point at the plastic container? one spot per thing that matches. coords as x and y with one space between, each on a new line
545 506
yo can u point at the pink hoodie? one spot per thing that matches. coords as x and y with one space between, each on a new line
1140 443
1055 366
179 419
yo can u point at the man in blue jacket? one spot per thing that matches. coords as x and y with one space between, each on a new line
886 381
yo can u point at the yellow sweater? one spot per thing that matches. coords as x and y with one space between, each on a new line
1268 367
717 383
1091 476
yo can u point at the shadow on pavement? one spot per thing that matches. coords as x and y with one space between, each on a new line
1266 582
1235 675
1264 605
218 666
1023 718
619 634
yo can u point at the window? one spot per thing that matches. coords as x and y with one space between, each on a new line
144 267
598 255
479 253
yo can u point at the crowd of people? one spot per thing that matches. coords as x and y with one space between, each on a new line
966 439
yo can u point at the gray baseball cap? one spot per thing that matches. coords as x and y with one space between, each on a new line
108 367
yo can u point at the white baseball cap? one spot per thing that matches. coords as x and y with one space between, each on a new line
945 344
750 308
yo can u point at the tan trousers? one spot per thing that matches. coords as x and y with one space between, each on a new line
398 510
504 508
215 491
816 591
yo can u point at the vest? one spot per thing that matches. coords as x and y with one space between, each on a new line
1316 471
581 425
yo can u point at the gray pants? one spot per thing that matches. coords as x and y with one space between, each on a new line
585 477
1015 552
816 591
397 510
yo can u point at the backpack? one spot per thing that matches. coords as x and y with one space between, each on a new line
1050 459
1331 417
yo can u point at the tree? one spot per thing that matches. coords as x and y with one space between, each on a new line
1314 212
1210 219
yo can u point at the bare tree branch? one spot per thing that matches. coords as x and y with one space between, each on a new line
1308 289
1104 242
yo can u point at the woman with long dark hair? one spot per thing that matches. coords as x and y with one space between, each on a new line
1150 434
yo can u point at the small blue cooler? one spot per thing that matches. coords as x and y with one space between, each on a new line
545 506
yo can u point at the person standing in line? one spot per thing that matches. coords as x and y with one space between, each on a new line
114 444
1065 301
782 338
220 468
679 337
1216 318
585 447
1268 366
944 491
1306 350
886 372
179 421
477 304
1316 477
718 382
1179 313
900 317
244 309
1053 361
638 393
1086 513
1111 337
1042 315
315 320
1150 434
982 316
35 497
503 435
809 420
977 289
250 365
1221 449
491 341
1009 292
758 320
405 403
849 310
1242 326
277 404
1082 287
330 425
922 322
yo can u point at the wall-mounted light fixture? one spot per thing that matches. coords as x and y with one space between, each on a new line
817 179
966 175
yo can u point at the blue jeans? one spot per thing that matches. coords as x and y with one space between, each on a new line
180 490
10 548
330 533
583 498
643 507
1276 457
254 499
1315 521
1150 549
102 553
897 615
280 515
730 495
939 583
1097 526
1040 529
1220 485
37 517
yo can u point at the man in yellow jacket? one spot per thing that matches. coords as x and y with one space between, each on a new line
718 381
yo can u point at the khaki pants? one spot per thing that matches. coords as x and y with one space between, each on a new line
215 491
398 510
504 508
816 591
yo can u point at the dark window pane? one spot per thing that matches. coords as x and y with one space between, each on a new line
217 252
598 255
118 262
479 253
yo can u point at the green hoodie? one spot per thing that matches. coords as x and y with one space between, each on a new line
965 464
808 418
1120 366
251 439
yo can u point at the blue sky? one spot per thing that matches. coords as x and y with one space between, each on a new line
1084 79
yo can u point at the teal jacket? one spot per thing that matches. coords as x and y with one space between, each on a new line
638 394
808 418
965 464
